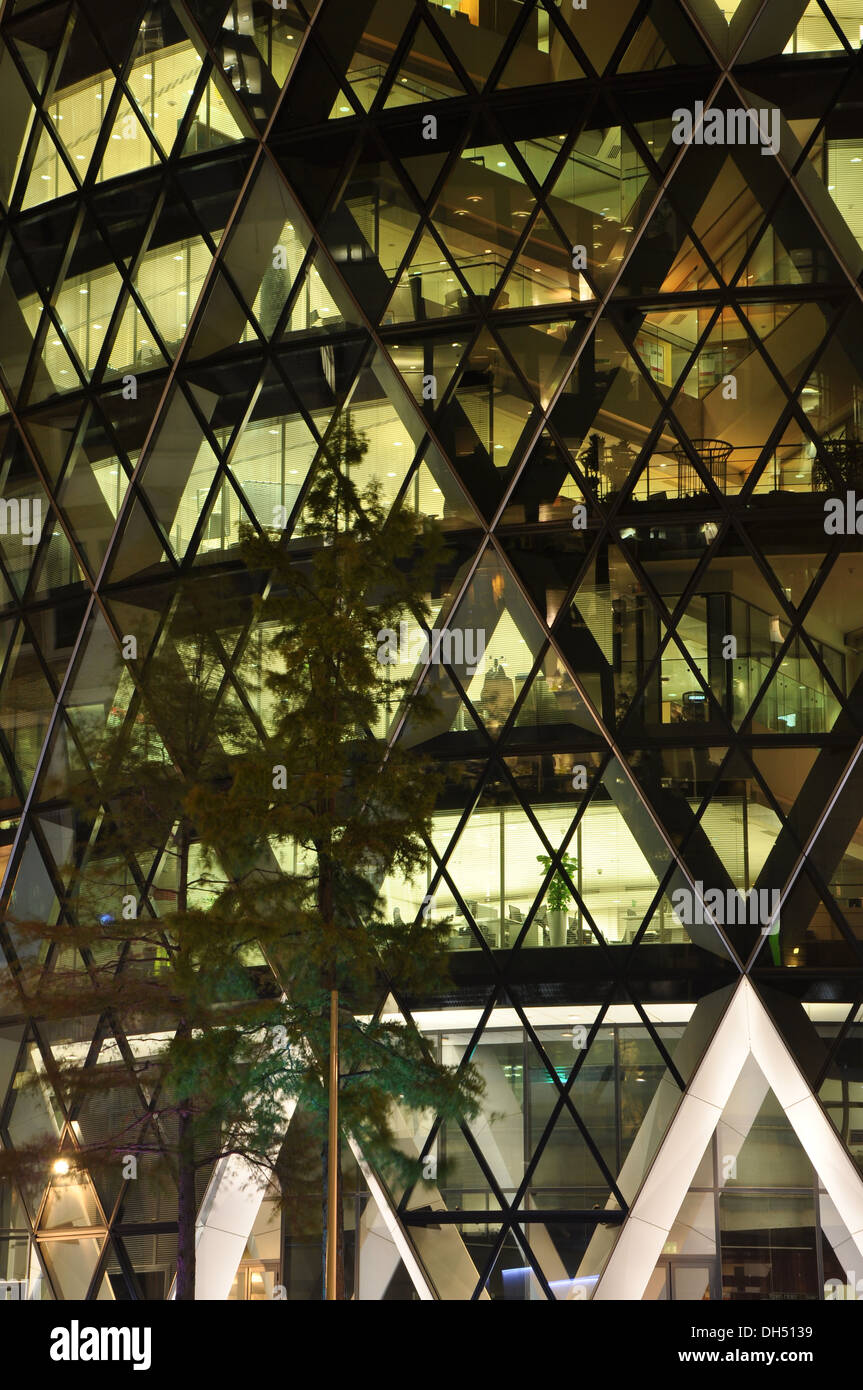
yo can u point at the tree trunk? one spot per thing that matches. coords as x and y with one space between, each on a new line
186 1200
334 1229
339 1227
186 1210
335 1255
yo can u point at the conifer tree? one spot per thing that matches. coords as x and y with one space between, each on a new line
354 806
258 844
220 1085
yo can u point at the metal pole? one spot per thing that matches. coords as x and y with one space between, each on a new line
333 1152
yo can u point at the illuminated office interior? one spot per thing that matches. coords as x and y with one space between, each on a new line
624 376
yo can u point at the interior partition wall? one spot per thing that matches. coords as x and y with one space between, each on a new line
618 359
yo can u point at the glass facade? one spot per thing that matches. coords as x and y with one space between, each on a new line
622 367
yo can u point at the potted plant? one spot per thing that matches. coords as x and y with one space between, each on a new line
558 897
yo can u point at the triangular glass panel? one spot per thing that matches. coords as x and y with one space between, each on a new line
36 1117
512 1277
429 287
214 123
369 230
544 352
598 35
543 271
100 668
263 254
423 171
792 250
159 82
424 73
168 281
181 467
70 1200
89 500
135 346
664 340
600 214
139 549
49 178
10 1043
366 69
605 413
51 432
796 30
53 371
498 833
77 117
71 1264
322 303
648 51
223 322
828 396
541 54
434 492
20 100
546 491
426 364
791 465
485 420
130 145
27 516
485 185
567 1170
477 43
56 566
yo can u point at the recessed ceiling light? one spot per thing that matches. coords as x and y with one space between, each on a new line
501 164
